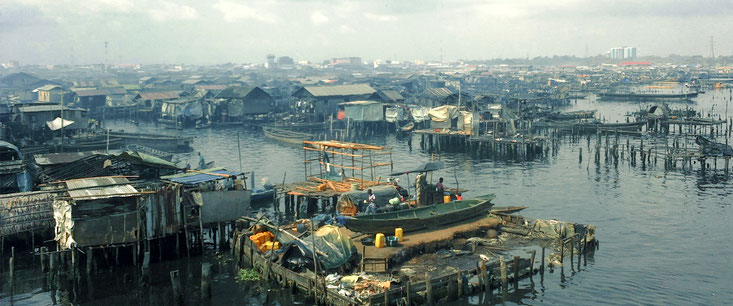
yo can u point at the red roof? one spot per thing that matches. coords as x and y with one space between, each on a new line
636 64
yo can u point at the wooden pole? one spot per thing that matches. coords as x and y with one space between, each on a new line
531 263
460 284
315 259
408 293
205 281
12 278
503 272
516 270
428 289
176 286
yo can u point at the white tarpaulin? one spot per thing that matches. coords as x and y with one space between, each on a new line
363 111
419 114
56 123
440 117
465 122
394 114
443 113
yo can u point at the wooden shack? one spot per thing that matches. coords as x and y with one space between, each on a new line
99 211
212 195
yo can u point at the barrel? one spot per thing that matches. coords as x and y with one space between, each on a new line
446 199
398 233
354 186
379 241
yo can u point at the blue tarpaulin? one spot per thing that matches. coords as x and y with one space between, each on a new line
198 177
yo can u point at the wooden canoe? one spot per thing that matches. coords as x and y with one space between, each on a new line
286 136
414 219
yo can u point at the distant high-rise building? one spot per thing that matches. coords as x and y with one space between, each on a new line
622 52
270 61
285 61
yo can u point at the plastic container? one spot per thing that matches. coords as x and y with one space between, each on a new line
379 241
446 199
391 241
398 233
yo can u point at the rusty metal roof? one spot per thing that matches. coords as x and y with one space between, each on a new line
100 188
161 95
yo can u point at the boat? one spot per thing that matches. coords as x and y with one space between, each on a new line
150 151
582 114
427 217
286 136
262 194
156 141
647 95
407 127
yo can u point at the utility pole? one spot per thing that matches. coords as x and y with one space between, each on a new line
62 120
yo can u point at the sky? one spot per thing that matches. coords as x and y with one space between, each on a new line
232 31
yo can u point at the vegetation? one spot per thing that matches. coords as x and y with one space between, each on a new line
246 275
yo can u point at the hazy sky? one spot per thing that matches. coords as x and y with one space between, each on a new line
220 31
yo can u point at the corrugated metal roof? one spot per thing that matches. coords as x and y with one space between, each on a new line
159 95
101 92
439 93
340 90
49 87
235 92
61 158
99 188
393 95
192 178
360 103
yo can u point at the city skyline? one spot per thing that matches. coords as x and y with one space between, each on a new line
189 32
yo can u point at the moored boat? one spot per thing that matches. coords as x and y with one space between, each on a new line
286 136
426 217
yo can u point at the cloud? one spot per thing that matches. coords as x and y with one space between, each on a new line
318 18
345 29
379 17
234 12
172 11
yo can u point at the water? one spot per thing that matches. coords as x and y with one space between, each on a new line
663 234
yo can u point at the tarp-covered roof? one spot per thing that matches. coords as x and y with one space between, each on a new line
147 160
58 123
200 176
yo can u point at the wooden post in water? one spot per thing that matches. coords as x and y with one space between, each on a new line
542 263
562 251
90 261
205 281
428 289
12 278
176 286
44 255
460 284
503 272
531 263
516 270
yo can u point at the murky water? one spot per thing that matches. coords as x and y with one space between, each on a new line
664 234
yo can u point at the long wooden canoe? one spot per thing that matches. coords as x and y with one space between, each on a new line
427 217
286 136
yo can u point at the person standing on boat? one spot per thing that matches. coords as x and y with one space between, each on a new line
439 185
370 201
